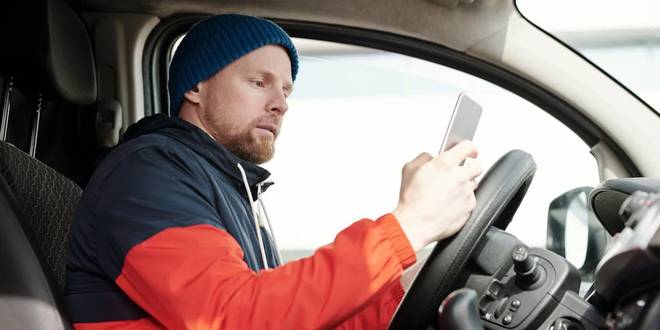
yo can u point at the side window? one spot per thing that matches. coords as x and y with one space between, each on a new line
357 115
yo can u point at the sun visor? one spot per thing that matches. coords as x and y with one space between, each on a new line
47 50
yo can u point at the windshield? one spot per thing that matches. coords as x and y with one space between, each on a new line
621 37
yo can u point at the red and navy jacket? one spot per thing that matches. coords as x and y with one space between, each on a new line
164 237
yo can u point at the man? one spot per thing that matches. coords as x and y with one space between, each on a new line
168 233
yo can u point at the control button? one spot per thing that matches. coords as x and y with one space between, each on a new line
515 304
495 288
501 307
484 304
507 319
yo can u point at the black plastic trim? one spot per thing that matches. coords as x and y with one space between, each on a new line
591 134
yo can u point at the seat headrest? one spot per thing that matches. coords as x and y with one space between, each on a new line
47 49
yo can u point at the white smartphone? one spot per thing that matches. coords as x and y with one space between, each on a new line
463 122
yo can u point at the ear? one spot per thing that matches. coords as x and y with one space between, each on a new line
193 95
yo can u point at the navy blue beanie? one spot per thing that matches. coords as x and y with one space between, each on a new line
213 43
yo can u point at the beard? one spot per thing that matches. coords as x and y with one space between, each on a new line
241 141
251 148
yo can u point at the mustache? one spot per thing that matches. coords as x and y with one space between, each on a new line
271 122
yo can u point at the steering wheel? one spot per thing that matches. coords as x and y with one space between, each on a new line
498 196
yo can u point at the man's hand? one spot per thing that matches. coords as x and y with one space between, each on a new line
437 194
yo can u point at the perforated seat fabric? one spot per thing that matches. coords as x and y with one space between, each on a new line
46 201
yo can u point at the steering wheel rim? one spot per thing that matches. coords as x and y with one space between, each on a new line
498 196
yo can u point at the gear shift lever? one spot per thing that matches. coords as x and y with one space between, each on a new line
527 272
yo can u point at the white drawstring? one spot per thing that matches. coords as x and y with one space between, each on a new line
254 215
270 227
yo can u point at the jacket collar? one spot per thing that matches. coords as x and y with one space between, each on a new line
201 143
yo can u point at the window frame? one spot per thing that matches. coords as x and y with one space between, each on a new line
578 53
160 41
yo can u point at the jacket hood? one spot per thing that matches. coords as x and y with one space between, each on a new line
197 140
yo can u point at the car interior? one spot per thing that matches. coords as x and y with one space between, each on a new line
74 74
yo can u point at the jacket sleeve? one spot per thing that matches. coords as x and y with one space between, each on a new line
195 278
379 314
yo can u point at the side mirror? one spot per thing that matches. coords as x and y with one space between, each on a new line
575 233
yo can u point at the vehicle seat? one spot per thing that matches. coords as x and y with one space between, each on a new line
49 59
36 210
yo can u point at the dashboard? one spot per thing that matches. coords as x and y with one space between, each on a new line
517 287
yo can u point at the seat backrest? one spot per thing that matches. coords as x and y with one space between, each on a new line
36 208
45 203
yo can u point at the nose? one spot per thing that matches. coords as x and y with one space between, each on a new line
278 103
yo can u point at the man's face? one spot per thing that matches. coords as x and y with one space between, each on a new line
242 106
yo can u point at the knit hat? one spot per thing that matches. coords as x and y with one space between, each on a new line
214 43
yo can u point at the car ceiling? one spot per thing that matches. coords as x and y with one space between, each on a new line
454 24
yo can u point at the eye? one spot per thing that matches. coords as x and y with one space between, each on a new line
286 91
259 83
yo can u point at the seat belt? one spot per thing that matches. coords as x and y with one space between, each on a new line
35 127
9 85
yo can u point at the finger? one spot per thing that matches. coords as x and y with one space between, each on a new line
472 169
460 152
473 184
